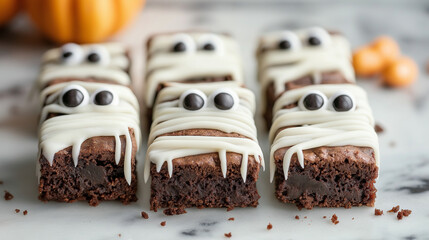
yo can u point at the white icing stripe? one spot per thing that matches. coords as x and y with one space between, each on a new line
167 148
64 131
321 127
84 71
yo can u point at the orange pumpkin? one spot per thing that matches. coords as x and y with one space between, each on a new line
81 21
8 9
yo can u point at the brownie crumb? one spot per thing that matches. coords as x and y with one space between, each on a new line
163 223
7 196
378 128
145 215
324 216
174 211
378 212
394 209
17 210
228 235
119 235
305 217
334 219
297 217
1 182
231 219
269 226
353 218
403 213
25 212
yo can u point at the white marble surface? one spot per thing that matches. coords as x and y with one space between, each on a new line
404 113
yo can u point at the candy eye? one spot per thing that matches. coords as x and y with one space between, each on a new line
98 55
210 42
318 37
71 54
104 97
183 43
74 96
312 101
342 102
224 99
193 100
289 41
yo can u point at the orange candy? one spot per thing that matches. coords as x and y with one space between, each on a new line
387 48
401 72
367 62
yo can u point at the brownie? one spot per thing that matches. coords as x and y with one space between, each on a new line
332 177
96 177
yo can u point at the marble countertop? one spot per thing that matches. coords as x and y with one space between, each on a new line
403 113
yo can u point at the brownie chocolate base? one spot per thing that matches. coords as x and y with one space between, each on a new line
197 181
96 177
331 177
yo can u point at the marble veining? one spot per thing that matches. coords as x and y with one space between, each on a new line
403 113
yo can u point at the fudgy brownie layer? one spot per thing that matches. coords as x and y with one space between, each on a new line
331 177
271 97
197 180
96 177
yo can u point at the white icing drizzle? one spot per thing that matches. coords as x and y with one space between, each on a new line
169 117
166 66
89 121
321 127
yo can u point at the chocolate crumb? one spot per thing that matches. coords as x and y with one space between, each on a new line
25 212
324 216
394 209
269 226
1 182
119 235
231 219
17 210
403 213
7 196
334 219
297 217
305 217
228 235
378 128
353 218
378 212
163 223
144 215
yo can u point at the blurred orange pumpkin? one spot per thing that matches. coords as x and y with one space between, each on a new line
8 9
81 21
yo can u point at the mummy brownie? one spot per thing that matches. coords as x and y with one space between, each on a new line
203 141
89 134
190 57
293 59
107 62
324 148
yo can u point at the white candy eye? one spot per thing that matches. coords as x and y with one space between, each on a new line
224 99
183 43
312 101
193 100
98 55
74 96
104 97
211 42
288 41
71 54
342 102
318 37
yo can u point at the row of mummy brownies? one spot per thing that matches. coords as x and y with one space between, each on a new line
203 149
324 149
89 130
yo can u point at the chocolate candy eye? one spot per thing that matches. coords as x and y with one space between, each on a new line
342 102
288 41
183 43
98 55
312 101
210 42
224 99
71 54
193 100
103 98
73 96
318 37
